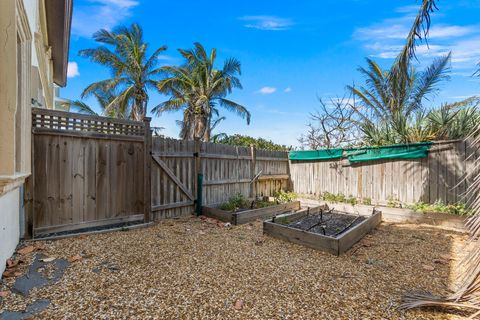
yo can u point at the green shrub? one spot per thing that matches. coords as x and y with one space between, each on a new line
393 202
235 202
458 208
285 196
367 201
262 204
352 200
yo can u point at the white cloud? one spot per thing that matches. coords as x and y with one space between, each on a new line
386 38
100 14
400 31
271 23
72 70
267 90
287 90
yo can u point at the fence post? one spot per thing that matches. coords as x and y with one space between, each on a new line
147 172
198 177
253 167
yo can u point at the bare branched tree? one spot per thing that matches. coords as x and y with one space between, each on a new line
333 125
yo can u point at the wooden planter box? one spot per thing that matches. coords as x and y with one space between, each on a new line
399 215
246 216
334 245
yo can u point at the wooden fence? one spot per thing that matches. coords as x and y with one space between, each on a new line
90 171
87 171
437 177
226 170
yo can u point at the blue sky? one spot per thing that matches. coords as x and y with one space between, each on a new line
292 52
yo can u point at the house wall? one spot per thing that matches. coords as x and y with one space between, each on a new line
9 225
26 80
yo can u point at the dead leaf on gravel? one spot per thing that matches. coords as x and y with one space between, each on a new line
11 263
446 257
238 304
26 250
48 259
440 261
39 246
366 243
74 258
3 294
12 273
428 267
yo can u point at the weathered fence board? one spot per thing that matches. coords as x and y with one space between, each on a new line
88 171
435 178
226 170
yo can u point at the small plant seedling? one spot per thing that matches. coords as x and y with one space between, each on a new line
367 201
281 220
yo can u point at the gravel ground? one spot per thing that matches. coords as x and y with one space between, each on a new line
192 268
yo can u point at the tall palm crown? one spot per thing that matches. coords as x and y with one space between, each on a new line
387 93
392 105
133 71
199 89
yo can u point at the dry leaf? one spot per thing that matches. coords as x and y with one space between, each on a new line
446 257
440 261
49 259
238 304
3 294
366 243
428 268
74 258
11 263
26 250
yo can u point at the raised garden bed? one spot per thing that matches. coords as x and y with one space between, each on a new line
398 215
322 228
249 215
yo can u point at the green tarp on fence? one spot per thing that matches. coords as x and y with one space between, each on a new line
324 154
355 155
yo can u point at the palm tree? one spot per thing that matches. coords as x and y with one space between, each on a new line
199 89
104 100
392 106
133 71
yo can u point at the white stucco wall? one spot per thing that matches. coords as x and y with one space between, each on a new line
9 225
31 8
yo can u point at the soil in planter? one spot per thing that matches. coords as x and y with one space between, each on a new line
248 206
330 223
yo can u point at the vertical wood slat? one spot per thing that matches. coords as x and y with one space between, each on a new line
147 158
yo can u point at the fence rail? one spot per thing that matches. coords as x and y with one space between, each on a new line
437 177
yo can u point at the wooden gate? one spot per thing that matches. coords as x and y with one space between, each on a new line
173 177
226 170
87 171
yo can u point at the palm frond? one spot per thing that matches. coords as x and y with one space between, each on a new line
428 80
79 106
235 107
418 32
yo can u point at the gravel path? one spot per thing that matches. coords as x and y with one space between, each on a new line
197 269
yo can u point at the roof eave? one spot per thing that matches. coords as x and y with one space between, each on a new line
59 21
